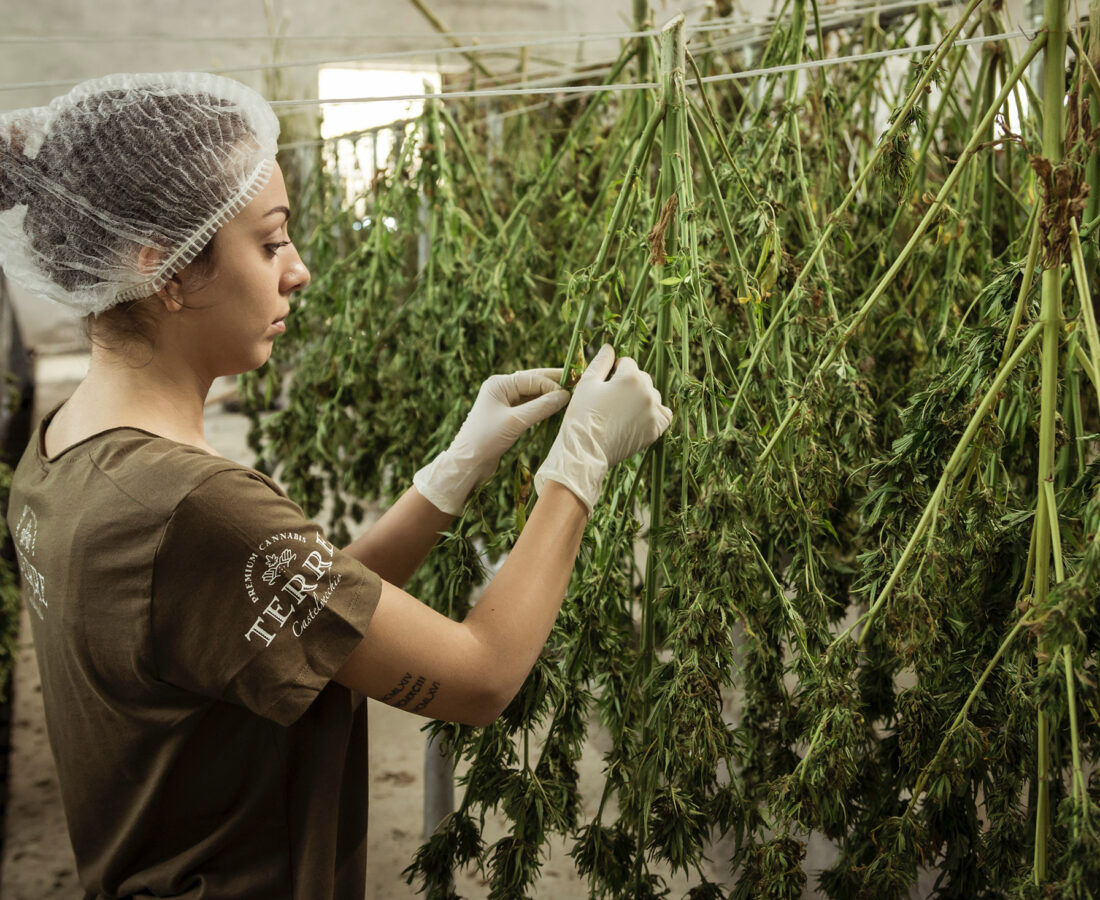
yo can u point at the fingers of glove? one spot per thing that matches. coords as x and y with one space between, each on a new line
541 407
509 389
601 364
533 383
625 368
553 374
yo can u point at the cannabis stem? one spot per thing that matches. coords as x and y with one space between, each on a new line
1054 90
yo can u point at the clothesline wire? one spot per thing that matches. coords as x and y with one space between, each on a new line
638 86
330 60
754 73
394 35
555 78
596 68
704 27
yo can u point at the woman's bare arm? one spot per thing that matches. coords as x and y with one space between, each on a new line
416 659
398 542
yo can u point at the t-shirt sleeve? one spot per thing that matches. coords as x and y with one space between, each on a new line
251 604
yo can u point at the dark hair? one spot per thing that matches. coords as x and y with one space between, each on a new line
11 157
134 322
70 157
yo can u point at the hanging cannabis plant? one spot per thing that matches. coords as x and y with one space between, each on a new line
850 596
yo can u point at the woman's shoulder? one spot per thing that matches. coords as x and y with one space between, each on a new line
163 473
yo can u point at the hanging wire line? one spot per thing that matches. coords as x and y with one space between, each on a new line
721 45
596 68
831 13
638 86
371 57
727 21
559 77
834 13
878 54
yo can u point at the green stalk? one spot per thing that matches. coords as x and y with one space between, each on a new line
1089 226
1087 368
1025 288
1092 167
934 123
1079 782
720 207
617 138
672 99
1088 315
712 121
822 84
903 256
689 238
766 60
922 779
989 182
464 149
642 23
961 247
799 25
1054 90
641 150
1021 298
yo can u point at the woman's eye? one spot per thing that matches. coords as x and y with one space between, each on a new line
272 249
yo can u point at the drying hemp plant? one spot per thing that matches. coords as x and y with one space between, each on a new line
848 602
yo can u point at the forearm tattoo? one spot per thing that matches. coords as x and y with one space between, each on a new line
428 697
411 688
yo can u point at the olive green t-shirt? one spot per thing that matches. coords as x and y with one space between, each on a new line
187 619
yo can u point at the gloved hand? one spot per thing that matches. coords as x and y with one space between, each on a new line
506 406
607 421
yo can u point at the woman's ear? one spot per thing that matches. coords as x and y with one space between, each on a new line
171 294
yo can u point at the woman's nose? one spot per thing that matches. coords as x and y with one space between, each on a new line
296 277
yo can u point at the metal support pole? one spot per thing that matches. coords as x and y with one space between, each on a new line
439 786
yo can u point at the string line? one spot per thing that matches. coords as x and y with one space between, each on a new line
837 13
648 85
728 21
297 145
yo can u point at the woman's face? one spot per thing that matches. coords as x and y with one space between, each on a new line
230 324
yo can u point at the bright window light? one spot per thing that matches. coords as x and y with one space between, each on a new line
360 158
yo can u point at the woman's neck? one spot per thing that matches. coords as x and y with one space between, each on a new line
158 394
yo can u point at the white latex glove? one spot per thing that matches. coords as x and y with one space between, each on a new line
506 406
607 421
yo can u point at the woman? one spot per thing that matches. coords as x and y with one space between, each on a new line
204 649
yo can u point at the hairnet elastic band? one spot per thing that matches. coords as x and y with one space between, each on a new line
188 251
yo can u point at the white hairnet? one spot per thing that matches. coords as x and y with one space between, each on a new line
123 163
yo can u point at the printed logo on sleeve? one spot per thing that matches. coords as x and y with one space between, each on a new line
289 579
26 540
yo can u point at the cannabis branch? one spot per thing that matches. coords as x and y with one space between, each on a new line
849 600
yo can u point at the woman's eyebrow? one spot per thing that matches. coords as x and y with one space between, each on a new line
278 209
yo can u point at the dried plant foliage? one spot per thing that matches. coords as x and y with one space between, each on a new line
835 635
